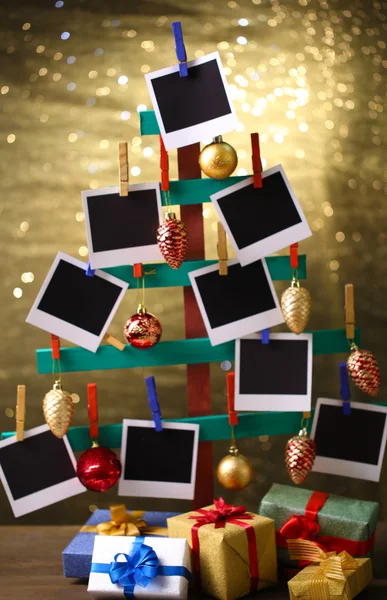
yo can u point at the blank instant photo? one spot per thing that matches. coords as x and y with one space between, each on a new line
260 221
190 109
122 230
274 376
38 471
351 445
237 304
158 464
74 306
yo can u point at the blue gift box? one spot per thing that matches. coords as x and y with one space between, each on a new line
77 556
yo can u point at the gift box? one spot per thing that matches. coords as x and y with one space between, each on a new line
233 551
139 567
331 576
333 522
76 557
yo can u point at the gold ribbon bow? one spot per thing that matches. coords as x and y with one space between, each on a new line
124 523
330 567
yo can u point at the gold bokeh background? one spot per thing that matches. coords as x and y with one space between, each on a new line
308 75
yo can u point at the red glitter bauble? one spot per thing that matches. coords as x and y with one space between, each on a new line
143 330
98 469
172 238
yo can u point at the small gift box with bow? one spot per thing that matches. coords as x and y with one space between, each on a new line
331 576
139 567
333 522
233 551
114 522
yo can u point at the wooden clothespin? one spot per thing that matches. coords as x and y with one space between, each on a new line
92 407
113 341
89 271
232 415
180 48
294 256
137 270
20 412
123 168
350 311
154 402
306 415
344 388
256 159
164 166
55 347
222 250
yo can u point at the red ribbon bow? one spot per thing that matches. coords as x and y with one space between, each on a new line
222 514
300 527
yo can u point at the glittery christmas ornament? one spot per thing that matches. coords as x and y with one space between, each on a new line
296 306
364 370
172 238
58 410
299 456
142 330
234 471
218 159
98 468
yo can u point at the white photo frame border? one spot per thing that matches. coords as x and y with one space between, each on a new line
131 254
272 243
166 489
274 402
235 329
66 330
47 496
347 468
194 133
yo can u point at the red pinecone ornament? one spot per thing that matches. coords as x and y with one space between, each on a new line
364 370
98 469
299 456
172 238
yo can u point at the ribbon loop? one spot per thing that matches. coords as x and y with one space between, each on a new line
125 524
138 568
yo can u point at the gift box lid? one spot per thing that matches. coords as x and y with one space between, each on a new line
173 557
77 555
341 517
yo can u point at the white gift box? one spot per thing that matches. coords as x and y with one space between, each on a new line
173 557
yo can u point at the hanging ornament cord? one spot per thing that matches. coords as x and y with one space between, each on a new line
152 272
350 316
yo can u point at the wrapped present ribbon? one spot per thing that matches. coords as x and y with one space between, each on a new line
124 523
219 517
306 527
329 570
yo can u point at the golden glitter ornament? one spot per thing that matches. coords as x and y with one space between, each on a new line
299 456
296 306
218 160
58 409
234 471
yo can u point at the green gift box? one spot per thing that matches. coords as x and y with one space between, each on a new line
335 523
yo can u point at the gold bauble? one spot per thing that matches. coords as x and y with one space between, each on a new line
235 471
58 410
296 306
218 160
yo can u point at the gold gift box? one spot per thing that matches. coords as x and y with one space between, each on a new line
224 554
335 577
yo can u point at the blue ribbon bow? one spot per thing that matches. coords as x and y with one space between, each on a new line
139 568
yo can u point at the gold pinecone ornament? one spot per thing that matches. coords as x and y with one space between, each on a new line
299 456
296 306
172 239
58 409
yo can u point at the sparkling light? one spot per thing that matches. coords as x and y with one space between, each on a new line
122 80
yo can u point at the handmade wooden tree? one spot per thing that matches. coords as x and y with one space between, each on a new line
196 351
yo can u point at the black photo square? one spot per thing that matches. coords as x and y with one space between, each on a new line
242 302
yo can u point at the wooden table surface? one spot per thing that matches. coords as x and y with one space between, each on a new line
31 566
